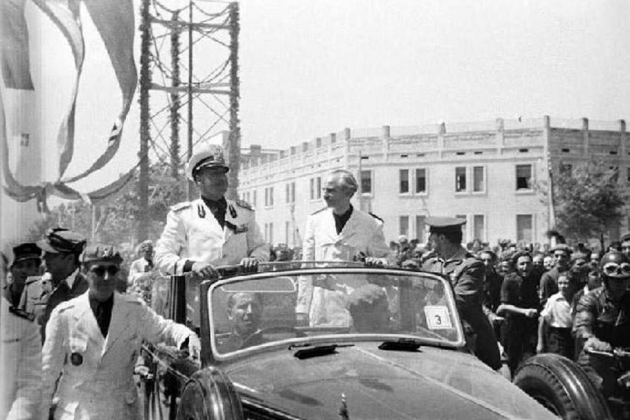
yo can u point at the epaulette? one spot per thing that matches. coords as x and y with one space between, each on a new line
22 313
243 204
181 206
376 217
320 210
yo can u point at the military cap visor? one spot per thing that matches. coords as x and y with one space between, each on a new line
562 247
445 224
27 251
62 240
211 157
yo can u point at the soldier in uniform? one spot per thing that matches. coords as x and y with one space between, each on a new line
26 264
338 232
93 342
212 230
62 248
467 275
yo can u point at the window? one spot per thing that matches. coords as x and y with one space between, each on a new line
312 184
421 181
404 181
523 177
287 232
421 228
479 227
288 192
270 233
366 182
478 179
404 225
319 187
460 179
524 227
254 198
271 196
293 192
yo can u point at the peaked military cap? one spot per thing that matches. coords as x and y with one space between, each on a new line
445 224
562 247
62 240
101 253
26 251
211 156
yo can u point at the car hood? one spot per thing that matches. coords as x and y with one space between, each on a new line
428 383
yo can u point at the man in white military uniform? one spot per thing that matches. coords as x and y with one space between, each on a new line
338 232
20 364
93 341
212 230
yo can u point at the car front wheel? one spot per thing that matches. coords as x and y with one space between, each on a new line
562 387
209 394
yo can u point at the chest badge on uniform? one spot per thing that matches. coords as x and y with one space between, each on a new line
76 359
201 211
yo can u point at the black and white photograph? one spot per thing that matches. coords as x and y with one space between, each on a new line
314 209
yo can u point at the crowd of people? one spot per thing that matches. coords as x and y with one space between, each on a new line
77 318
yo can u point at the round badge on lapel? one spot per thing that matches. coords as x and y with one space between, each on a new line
76 359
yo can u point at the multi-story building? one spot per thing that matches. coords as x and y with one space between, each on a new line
493 174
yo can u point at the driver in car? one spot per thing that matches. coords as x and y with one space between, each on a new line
244 312
602 321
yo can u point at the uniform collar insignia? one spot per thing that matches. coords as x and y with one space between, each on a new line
201 211
232 211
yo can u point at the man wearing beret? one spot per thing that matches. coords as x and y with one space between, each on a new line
212 230
467 275
93 342
549 280
62 248
26 263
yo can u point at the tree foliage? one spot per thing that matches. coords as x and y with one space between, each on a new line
588 199
116 222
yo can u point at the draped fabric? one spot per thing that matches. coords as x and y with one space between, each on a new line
114 21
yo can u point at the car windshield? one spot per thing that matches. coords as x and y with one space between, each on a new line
326 304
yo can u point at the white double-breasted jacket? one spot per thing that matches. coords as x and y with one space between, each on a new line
193 234
362 236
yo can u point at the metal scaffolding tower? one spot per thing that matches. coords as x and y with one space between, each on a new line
188 78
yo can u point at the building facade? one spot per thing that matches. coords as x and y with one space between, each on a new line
494 175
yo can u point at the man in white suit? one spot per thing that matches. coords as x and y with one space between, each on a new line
212 230
93 341
338 232
20 364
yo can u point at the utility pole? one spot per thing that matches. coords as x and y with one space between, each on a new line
210 91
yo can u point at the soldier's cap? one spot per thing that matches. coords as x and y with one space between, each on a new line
625 237
562 247
445 224
59 240
101 253
211 156
26 251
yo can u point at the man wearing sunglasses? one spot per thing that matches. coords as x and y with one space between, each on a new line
93 342
602 321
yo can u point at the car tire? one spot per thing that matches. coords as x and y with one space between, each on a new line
209 394
562 387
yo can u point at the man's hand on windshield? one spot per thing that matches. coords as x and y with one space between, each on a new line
375 262
205 270
193 345
250 265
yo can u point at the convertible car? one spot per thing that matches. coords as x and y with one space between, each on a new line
379 344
